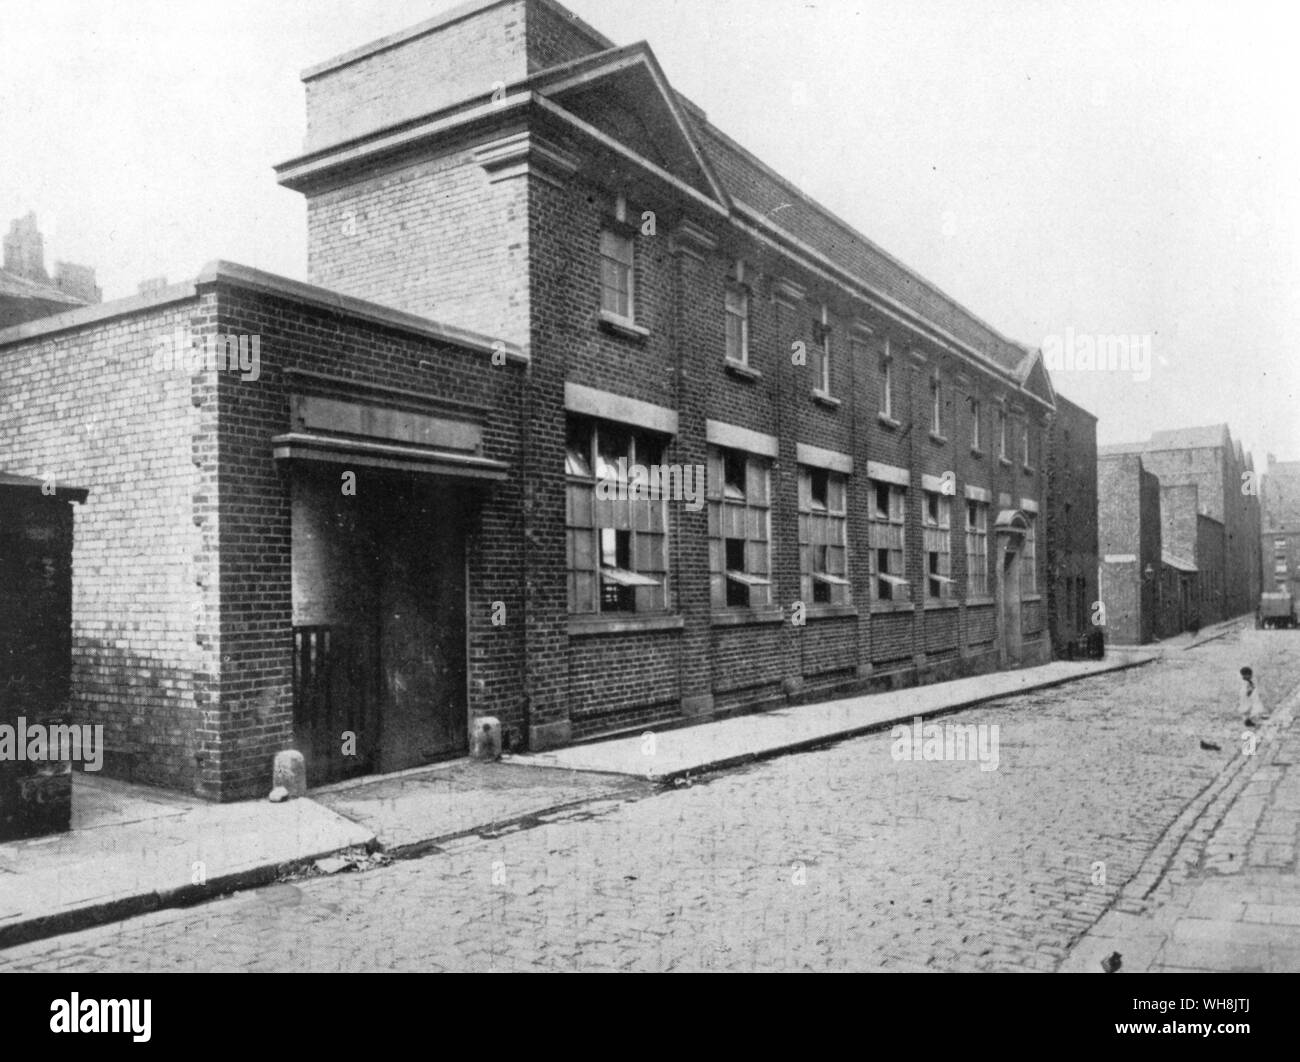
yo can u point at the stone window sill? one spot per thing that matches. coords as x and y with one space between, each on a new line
582 626
1028 470
942 440
815 612
1031 598
1004 462
621 326
744 617
888 421
941 605
980 602
741 370
975 451
824 399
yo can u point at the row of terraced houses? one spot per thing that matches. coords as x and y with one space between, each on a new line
533 267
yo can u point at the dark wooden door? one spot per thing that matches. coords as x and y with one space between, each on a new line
422 632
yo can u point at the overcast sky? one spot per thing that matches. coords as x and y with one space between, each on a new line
1103 168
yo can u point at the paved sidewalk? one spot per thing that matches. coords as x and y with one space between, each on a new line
1224 894
414 811
690 750
133 849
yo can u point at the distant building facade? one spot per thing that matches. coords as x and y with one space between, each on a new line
1072 545
1129 541
27 292
1280 541
1204 472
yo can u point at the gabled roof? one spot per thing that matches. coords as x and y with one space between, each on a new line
1035 379
751 183
620 98
624 93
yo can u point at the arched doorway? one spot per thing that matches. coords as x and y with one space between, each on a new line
1009 532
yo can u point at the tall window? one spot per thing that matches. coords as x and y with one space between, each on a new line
936 406
823 519
888 508
974 424
822 353
936 531
1002 433
740 553
887 383
977 549
617 547
1024 456
616 274
738 324
1029 559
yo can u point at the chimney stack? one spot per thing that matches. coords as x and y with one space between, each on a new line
77 281
25 250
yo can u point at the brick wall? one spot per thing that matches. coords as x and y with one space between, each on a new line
1280 521
420 73
438 63
255 514
1217 472
435 238
1120 481
87 407
1178 512
518 256
1071 531
623 680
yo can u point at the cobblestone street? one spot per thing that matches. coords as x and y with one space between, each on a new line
835 859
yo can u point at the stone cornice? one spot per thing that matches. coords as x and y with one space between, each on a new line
524 153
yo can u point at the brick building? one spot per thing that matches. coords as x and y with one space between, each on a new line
218 552
1209 460
1129 540
26 290
1072 549
1280 543
619 298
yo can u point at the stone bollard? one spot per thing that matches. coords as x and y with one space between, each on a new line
288 776
485 742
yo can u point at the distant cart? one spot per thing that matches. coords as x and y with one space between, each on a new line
1276 610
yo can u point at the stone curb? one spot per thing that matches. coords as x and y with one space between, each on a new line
1180 843
123 907
823 740
116 910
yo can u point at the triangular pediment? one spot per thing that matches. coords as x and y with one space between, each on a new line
623 93
1035 379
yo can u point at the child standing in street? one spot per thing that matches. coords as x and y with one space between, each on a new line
1248 698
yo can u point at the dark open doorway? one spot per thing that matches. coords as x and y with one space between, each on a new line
379 593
